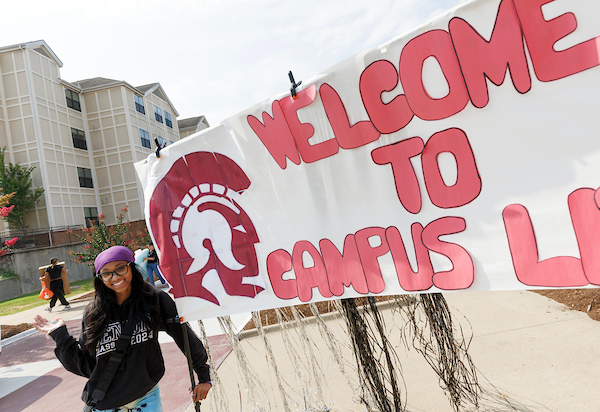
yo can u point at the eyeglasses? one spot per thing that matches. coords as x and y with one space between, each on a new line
120 271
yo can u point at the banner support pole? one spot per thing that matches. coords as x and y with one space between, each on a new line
188 355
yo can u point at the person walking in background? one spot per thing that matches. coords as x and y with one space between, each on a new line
120 333
55 272
153 265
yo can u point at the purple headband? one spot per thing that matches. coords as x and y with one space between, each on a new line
112 254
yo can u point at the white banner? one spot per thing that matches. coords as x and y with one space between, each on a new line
464 155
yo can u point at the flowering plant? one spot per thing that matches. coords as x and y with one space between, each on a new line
99 237
142 238
4 211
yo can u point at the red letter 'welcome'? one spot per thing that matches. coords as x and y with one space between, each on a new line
480 59
540 36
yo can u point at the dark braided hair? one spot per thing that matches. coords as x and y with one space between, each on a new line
99 312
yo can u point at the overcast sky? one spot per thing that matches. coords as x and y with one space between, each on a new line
212 58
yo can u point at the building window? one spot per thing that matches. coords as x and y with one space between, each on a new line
85 177
78 138
73 99
158 114
145 138
162 141
139 104
91 216
168 119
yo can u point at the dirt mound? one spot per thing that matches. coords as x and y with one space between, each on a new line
583 300
11 330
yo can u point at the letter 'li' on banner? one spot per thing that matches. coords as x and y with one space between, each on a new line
462 156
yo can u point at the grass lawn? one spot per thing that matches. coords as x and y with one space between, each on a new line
7 275
31 300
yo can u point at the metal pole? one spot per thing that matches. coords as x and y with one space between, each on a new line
188 355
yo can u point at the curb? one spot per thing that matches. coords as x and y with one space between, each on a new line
17 337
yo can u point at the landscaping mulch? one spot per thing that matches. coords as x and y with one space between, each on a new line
11 330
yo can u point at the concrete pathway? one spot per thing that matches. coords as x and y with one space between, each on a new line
33 380
531 353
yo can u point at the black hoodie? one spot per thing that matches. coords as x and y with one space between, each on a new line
142 366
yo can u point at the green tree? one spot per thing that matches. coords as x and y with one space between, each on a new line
17 179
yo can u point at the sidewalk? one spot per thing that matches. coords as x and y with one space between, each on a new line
78 303
532 354
33 380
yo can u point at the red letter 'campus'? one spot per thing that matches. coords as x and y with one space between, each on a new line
369 255
343 269
279 262
309 277
463 272
410 280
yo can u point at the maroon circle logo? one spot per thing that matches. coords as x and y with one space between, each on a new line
199 227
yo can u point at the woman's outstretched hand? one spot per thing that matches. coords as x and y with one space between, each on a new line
44 325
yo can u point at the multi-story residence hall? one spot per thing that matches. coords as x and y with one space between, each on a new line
82 137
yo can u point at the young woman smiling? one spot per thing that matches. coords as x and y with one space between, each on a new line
124 301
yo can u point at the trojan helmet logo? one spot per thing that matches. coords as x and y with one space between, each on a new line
205 238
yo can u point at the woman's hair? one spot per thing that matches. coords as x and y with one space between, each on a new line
99 312
53 260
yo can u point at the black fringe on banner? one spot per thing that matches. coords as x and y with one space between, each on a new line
433 336
446 355
379 378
